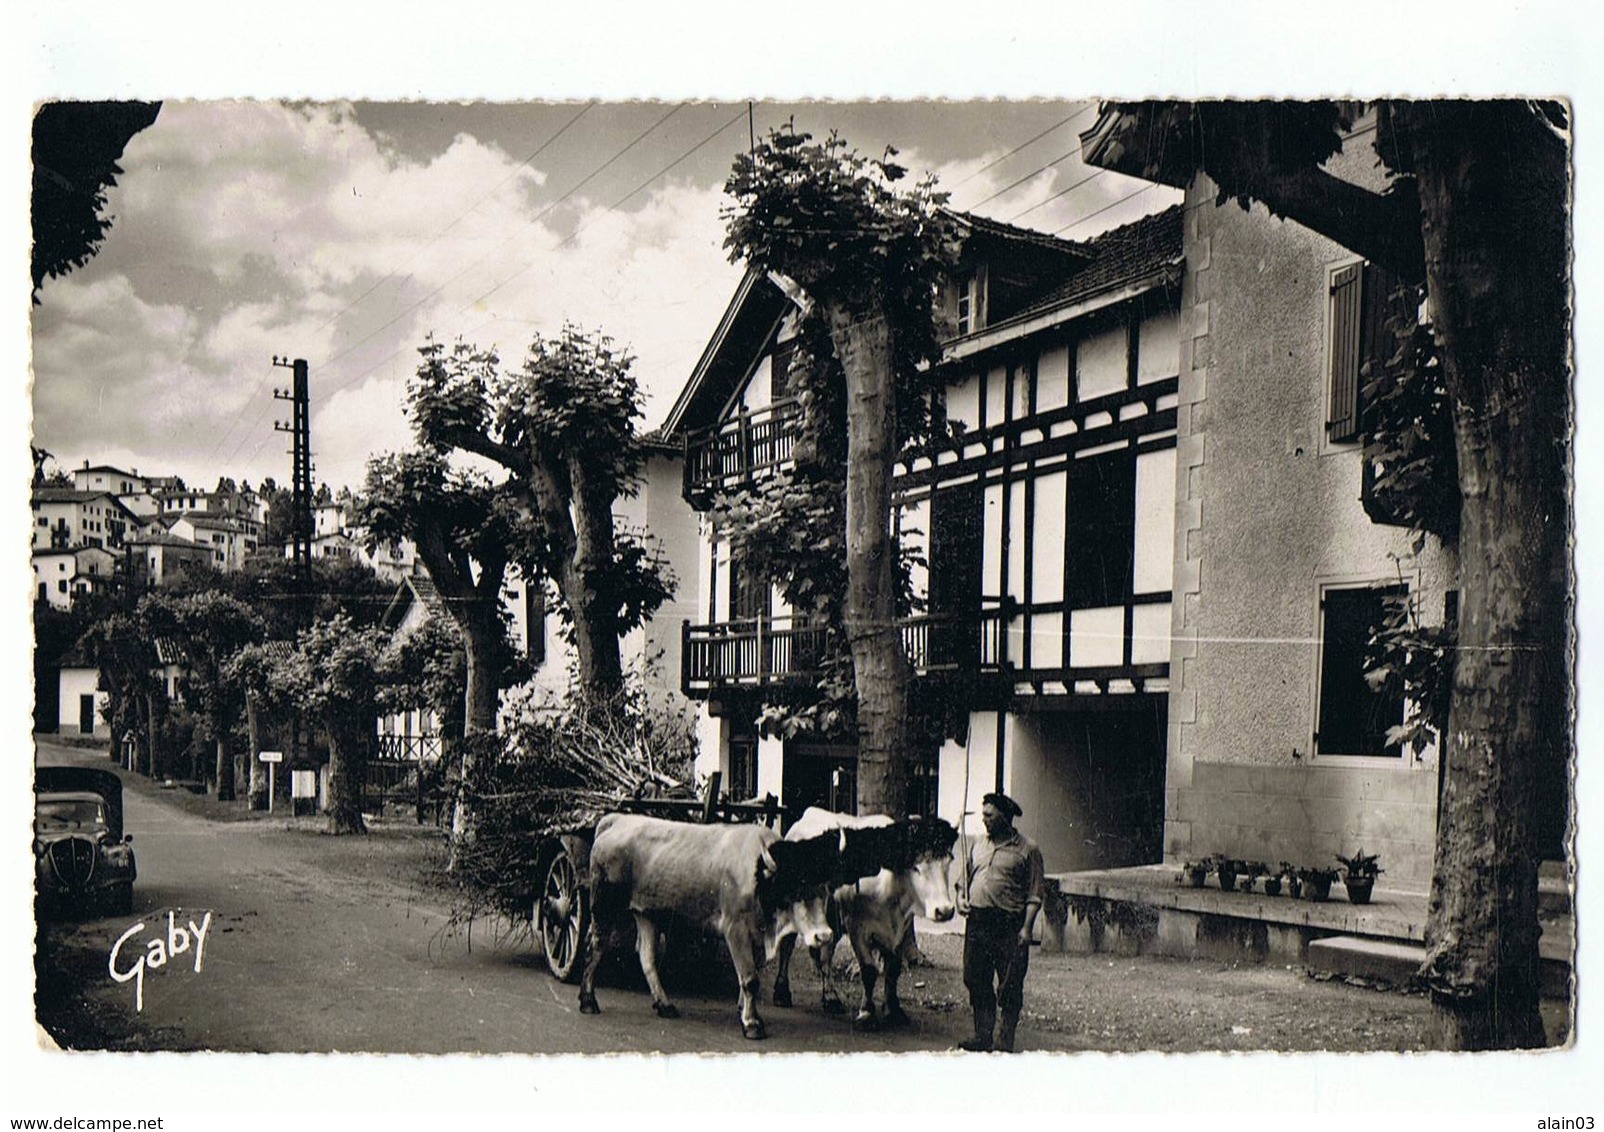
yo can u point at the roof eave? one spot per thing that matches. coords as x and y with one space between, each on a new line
1024 325
1125 139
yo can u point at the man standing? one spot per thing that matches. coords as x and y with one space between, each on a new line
1002 894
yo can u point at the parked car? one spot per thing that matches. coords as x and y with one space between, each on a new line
82 858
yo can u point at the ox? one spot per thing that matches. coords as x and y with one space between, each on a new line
740 881
912 859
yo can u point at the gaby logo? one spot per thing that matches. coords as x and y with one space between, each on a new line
156 951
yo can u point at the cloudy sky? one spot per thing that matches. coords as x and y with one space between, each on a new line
344 233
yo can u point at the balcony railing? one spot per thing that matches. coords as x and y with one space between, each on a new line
740 448
406 748
764 653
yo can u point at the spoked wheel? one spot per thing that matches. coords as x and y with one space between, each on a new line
564 914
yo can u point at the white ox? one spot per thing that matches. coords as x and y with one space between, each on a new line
740 881
907 874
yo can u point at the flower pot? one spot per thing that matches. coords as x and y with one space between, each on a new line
1317 890
1227 881
1359 889
1272 886
1294 888
1196 877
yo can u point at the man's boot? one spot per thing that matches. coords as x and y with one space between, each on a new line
985 1017
1005 1032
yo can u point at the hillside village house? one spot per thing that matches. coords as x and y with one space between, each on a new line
1048 528
105 477
159 558
61 576
65 517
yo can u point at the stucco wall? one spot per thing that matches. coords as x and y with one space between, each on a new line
1266 512
76 682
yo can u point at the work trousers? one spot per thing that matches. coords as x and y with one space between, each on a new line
994 961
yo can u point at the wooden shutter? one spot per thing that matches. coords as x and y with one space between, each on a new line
1347 316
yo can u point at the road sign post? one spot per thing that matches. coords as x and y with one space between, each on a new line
271 758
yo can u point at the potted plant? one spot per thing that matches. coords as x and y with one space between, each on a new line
1294 881
1226 868
1252 871
1194 873
1317 883
1359 874
1275 878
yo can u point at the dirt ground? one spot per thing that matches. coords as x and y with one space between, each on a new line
1073 1002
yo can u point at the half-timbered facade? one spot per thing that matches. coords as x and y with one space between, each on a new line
1045 525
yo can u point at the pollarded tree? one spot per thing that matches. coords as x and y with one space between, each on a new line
562 426
465 529
208 628
335 674
868 257
1476 210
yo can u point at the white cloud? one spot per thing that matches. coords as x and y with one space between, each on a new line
251 229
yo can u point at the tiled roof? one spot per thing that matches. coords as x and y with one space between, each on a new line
1119 256
986 226
163 538
67 495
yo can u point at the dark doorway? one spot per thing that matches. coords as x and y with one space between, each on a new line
819 774
86 714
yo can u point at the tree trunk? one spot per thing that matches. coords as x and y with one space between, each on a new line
153 731
1493 193
225 762
879 662
589 597
256 781
481 632
347 763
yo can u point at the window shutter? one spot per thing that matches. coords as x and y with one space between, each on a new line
1347 315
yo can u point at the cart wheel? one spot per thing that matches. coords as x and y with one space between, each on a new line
564 914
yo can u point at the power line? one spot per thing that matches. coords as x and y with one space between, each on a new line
409 308
1096 173
1028 141
1011 186
1105 208
615 204
545 145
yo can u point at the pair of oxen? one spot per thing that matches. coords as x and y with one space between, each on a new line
832 875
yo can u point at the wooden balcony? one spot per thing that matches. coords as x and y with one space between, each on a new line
759 653
739 449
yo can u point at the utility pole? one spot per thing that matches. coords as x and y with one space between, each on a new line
300 428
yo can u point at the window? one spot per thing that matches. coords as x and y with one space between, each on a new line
1358 296
1100 532
1353 717
970 301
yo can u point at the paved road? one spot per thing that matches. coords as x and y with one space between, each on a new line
299 958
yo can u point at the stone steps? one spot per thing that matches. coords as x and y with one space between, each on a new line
1394 963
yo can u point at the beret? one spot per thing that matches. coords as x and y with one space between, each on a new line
1004 803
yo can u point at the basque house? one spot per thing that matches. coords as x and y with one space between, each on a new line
1046 527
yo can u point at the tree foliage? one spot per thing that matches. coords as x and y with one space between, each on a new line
76 147
867 255
335 674
562 427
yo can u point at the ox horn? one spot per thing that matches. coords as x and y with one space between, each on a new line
767 864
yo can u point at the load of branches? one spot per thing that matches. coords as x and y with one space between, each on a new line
556 768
